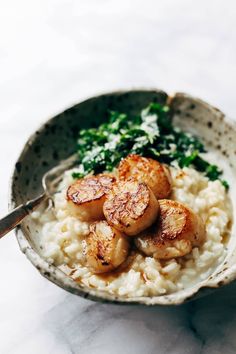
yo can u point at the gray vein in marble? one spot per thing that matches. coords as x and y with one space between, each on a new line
193 328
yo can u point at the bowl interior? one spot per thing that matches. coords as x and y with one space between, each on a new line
57 139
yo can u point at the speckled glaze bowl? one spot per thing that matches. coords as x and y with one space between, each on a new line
56 140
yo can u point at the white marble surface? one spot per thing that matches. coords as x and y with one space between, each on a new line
52 54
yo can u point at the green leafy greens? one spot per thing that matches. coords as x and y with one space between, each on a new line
150 134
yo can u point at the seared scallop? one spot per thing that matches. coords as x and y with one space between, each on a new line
176 232
87 195
156 175
130 207
106 247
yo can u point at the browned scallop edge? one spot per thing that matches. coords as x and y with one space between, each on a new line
164 236
74 197
100 246
110 215
79 201
124 166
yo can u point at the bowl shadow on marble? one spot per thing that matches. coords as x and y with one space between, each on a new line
56 140
203 326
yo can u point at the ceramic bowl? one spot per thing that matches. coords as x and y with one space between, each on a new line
56 140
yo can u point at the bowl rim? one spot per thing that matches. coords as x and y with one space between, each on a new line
55 275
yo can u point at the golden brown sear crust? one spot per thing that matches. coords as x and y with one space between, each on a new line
90 188
156 175
176 232
107 247
86 196
130 206
122 206
175 220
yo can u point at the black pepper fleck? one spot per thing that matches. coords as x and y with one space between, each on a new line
18 166
209 124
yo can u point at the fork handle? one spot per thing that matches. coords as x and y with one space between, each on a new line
14 218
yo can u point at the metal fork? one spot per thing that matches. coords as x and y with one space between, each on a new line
50 182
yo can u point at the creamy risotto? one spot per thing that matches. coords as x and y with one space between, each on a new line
63 236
